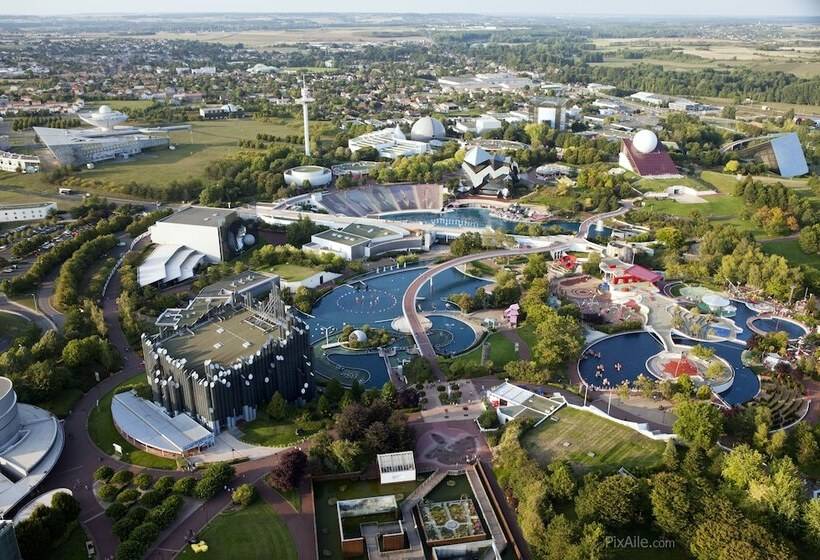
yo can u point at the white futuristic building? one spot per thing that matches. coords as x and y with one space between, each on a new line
104 118
781 153
31 441
109 139
427 129
314 175
391 143
480 167
186 239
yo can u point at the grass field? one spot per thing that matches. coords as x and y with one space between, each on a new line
264 431
790 248
72 546
11 326
104 434
255 532
271 39
294 272
613 445
502 351
195 149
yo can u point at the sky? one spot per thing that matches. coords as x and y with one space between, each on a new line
539 7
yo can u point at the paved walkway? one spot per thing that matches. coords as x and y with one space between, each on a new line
300 523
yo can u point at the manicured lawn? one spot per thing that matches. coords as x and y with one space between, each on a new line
293 497
790 249
721 181
12 326
502 350
613 445
548 196
104 434
264 431
656 185
717 208
294 272
255 532
527 332
72 547
481 269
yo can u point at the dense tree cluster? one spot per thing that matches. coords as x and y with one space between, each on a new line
23 123
44 528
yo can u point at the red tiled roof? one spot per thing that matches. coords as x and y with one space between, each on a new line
656 162
643 273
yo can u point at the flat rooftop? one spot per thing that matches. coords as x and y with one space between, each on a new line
369 232
199 216
238 335
27 205
340 236
238 282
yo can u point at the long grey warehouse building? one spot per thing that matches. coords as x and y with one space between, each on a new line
225 354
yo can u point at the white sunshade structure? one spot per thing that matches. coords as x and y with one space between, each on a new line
148 425
397 467
167 263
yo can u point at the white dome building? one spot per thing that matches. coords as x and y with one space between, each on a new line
358 336
645 141
316 175
426 129
105 117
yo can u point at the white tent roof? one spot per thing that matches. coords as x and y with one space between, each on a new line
476 156
715 300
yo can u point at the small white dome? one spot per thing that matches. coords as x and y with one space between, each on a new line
358 336
249 239
105 109
645 141
426 129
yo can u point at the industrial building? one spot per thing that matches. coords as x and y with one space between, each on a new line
19 163
26 212
227 111
498 81
226 354
549 110
195 235
31 441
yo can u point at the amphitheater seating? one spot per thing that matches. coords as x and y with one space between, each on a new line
365 201
785 399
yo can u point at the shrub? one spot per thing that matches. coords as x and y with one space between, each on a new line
129 550
116 511
104 473
152 498
128 495
164 484
216 477
164 514
143 481
245 495
185 486
488 418
122 477
108 492
67 504
124 526
145 534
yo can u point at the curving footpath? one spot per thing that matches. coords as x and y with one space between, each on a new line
583 229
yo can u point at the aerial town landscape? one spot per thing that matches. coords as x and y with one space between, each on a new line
445 283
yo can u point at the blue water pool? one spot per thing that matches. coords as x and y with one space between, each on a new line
631 350
775 324
746 383
376 300
450 336
368 361
481 218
